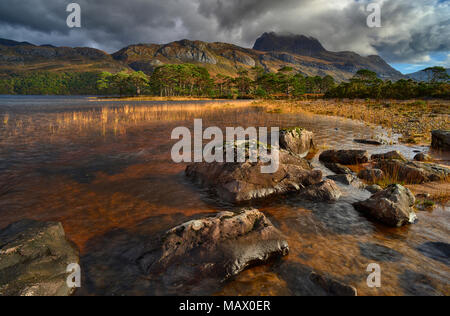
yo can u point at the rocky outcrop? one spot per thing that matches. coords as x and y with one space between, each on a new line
392 155
345 157
214 248
441 140
297 140
34 257
413 172
371 175
338 168
326 191
392 206
240 182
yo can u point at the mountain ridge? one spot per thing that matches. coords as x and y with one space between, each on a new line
304 54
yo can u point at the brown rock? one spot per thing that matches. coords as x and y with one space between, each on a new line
338 168
345 157
392 155
413 172
297 141
326 191
371 175
441 140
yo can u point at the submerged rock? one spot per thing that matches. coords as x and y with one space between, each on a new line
347 179
215 249
240 182
441 140
297 140
392 155
379 253
371 175
338 168
345 157
34 257
326 191
392 206
332 286
413 172
439 251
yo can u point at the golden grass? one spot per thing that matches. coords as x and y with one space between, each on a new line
413 119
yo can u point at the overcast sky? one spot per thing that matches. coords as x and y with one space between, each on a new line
414 33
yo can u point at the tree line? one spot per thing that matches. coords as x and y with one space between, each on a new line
192 80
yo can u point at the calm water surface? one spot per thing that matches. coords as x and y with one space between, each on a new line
104 170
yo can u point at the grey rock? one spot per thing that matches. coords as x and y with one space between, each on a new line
297 141
392 206
326 191
34 257
347 179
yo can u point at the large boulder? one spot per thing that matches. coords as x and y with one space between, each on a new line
441 140
392 155
240 182
392 206
34 257
326 191
213 249
413 172
297 140
345 157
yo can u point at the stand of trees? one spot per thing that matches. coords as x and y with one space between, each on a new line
193 80
366 84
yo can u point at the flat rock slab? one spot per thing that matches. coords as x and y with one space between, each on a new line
439 251
213 249
241 182
345 157
34 257
392 206
379 253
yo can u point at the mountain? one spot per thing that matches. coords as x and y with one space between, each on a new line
16 57
424 75
271 52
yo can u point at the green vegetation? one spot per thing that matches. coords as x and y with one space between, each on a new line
365 84
195 81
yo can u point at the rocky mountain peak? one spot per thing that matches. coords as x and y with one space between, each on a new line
291 43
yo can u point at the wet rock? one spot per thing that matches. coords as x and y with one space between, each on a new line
297 140
371 175
417 284
338 168
345 157
34 257
369 142
392 206
392 155
215 248
326 191
332 286
347 179
374 188
422 157
240 182
441 140
379 253
439 251
413 172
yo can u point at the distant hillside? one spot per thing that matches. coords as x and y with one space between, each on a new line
425 75
17 57
271 52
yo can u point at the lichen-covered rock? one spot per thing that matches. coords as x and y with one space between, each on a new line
326 191
392 206
392 155
241 182
441 140
214 248
345 157
371 175
297 140
34 257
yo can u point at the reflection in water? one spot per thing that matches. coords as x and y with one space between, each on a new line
104 171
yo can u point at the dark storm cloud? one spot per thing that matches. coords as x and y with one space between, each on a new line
412 30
